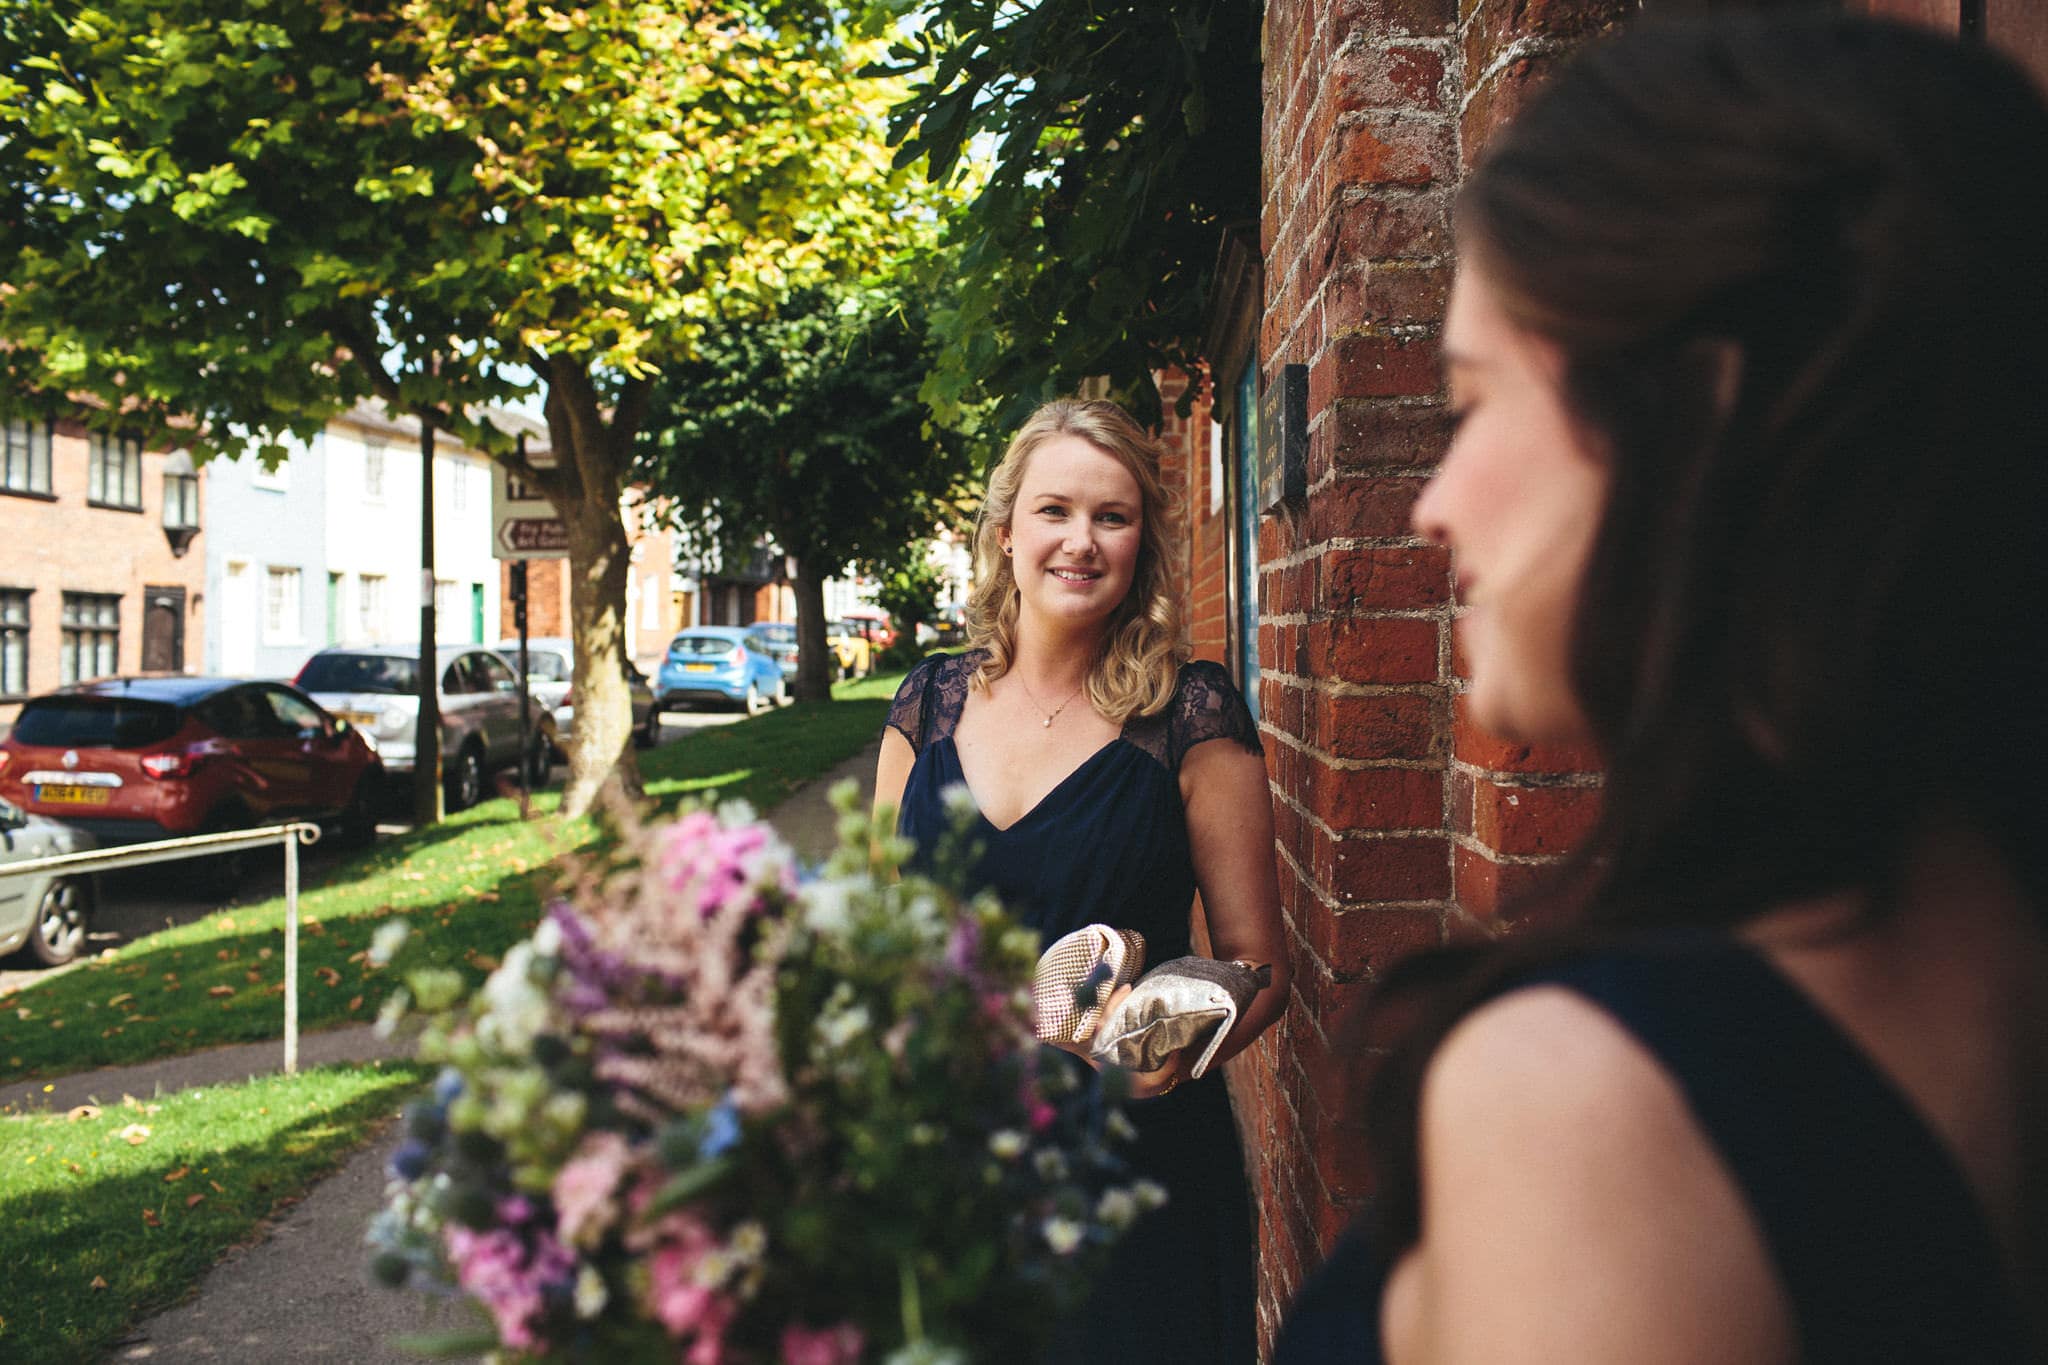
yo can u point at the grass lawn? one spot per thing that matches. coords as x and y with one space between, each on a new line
105 1218
476 883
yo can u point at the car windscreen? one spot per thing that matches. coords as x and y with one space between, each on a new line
699 646
777 634
360 673
95 722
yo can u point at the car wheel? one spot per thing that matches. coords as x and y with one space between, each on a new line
782 691
539 764
61 920
752 704
221 875
466 782
649 733
357 825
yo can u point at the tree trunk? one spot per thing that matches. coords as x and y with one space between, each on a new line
816 665
601 754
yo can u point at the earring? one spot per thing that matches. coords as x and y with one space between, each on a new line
1006 550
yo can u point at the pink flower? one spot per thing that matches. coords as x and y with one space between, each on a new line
685 1307
1042 1115
585 1206
497 1269
827 1346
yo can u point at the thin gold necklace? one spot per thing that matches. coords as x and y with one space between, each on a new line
1054 714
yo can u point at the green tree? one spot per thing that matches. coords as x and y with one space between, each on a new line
806 429
236 221
1121 138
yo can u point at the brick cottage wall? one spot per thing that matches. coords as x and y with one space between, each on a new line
1399 824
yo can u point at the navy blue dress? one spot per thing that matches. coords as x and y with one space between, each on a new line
1881 1246
1109 845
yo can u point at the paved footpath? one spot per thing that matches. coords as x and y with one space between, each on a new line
302 1293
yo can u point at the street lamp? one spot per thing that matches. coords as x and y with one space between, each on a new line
181 502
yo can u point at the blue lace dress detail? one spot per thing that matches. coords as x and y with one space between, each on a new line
1109 845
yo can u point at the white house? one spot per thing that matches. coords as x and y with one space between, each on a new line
372 521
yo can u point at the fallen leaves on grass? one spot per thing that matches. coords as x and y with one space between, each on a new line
135 1134
98 1282
150 1219
218 991
173 1177
193 1201
79 1113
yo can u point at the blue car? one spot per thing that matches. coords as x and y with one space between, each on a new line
719 663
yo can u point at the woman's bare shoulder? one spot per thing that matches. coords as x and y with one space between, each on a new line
1559 1164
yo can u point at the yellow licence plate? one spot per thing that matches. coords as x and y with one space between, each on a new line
72 796
699 668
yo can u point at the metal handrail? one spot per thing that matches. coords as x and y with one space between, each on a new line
291 835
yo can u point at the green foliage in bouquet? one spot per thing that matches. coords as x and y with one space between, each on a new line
715 1112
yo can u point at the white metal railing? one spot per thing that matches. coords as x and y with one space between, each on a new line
202 845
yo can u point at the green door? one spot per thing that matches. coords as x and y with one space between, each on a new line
476 613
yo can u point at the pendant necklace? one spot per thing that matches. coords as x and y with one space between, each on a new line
1054 714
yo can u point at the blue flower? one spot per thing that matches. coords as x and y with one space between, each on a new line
448 1085
721 1130
410 1160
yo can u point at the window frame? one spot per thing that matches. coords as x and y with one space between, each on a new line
18 434
284 632
370 606
373 473
77 632
127 450
14 641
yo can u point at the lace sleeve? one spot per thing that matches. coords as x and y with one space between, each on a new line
909 713
927 705
1206 706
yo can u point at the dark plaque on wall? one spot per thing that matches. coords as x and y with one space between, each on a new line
1283 438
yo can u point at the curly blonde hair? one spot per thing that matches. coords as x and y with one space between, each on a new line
1142 651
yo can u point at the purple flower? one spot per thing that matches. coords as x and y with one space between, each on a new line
409 1162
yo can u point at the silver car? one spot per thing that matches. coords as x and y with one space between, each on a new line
550 671
376 689
45 913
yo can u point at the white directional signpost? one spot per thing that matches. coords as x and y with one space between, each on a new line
524 525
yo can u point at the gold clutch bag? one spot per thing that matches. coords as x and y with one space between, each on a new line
1179 1004
1093 956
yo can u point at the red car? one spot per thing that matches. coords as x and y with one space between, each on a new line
132 759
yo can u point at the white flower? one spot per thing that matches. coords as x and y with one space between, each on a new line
1117 1209
1051 1163
392 1011
591 1295
828 906
1063 1235
515 1009
959 802
1150 1194
547 940
1007 1143
841 1027
1120 1126
389 938
749 1241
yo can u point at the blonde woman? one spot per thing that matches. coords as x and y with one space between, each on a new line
1083 740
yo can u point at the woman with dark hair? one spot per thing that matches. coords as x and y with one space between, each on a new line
1749 352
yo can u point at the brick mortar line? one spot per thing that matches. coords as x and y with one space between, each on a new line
1529 781
1517 49
1472 843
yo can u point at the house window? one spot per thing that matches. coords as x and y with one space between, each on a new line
25 461
281 606
370 607
181 501
90 640
373 473
13 642
457 474
114 472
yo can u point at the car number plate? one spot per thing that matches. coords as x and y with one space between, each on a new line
362 720
698 668
72 796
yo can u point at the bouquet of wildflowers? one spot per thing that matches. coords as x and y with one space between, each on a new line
713 1113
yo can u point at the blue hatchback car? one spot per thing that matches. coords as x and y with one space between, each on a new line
718 663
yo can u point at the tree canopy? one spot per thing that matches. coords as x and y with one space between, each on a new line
224 221
1123 137
806 428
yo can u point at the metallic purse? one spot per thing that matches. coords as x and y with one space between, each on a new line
1076 974
1176 1005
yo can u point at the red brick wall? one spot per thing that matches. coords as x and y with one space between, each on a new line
1399 824
59 544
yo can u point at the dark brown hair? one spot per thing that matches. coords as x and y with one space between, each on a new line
1813 618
